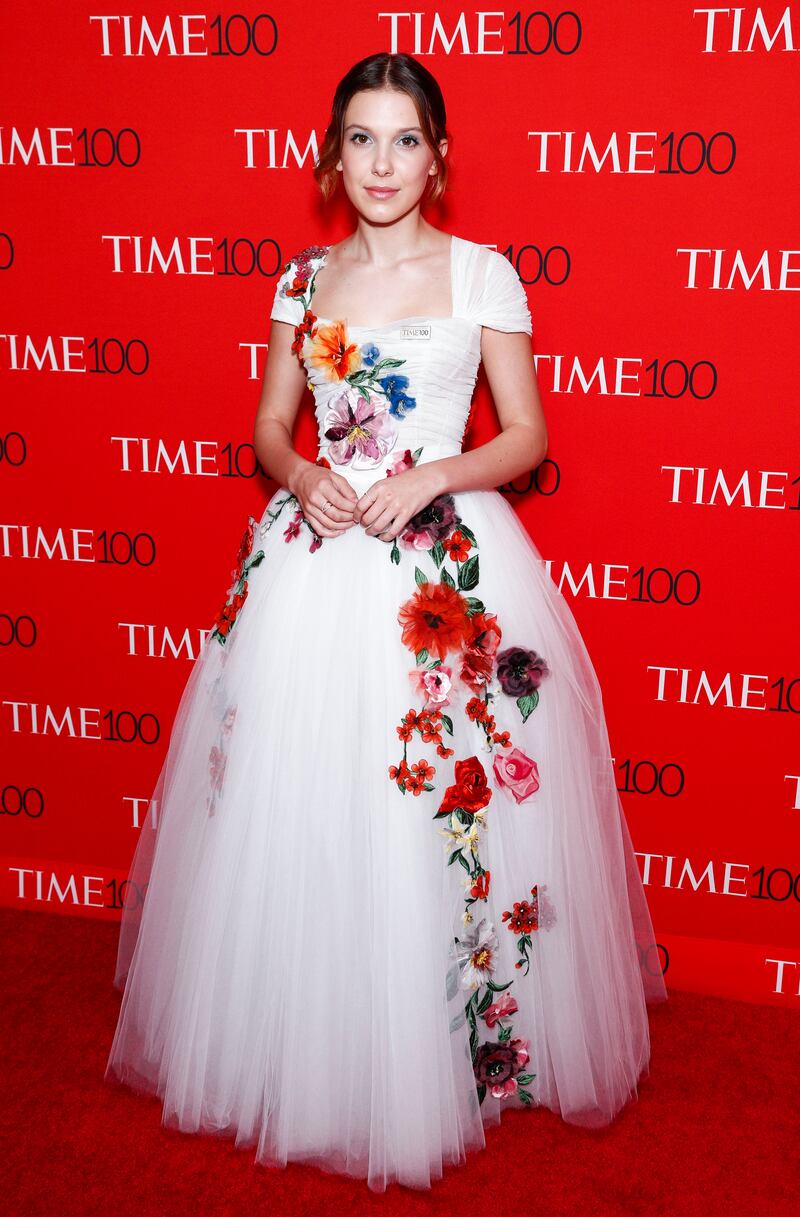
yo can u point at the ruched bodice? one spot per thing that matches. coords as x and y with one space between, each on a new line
407 384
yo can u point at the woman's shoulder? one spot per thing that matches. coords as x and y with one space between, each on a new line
478 267
292 287
488 287
477 252
304 258
296 271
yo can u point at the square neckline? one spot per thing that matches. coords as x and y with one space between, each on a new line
451 316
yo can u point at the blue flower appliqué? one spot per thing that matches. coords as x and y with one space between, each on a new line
394 386
370 354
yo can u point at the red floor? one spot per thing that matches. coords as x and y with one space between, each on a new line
716 1130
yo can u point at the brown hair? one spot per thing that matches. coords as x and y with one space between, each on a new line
385 71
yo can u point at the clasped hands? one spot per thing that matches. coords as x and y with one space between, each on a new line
383 510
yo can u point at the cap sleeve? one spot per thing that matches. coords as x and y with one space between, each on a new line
286 307
500 301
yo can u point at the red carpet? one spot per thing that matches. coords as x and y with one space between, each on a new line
715 1132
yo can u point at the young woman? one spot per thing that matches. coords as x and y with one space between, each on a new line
391 892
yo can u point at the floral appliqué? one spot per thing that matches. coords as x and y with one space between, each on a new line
217 759
294 527
454 637
527 916
443 619
237 593
361 420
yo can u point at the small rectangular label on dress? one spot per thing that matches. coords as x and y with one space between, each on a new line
422 330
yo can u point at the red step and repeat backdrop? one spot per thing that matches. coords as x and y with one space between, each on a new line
638 165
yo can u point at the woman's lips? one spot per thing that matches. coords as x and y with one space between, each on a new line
378 192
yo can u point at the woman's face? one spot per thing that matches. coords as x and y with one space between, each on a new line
384 159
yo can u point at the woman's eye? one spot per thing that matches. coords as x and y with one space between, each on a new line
359 136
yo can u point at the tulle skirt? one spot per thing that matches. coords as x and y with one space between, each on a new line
369 926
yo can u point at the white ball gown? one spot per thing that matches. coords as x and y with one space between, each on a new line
390 891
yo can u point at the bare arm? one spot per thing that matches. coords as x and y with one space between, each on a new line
281 393
522 444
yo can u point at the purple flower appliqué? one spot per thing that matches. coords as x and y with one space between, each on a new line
520 672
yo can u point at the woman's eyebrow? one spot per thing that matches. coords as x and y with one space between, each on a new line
363 127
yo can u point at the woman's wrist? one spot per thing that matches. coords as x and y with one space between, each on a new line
437 471
297 467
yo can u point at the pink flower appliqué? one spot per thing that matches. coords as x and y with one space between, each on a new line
361 429
400 463
216 767
518 773
503 1008
434 684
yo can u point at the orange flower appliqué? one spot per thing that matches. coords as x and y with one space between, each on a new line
434 620
302 330
329 347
